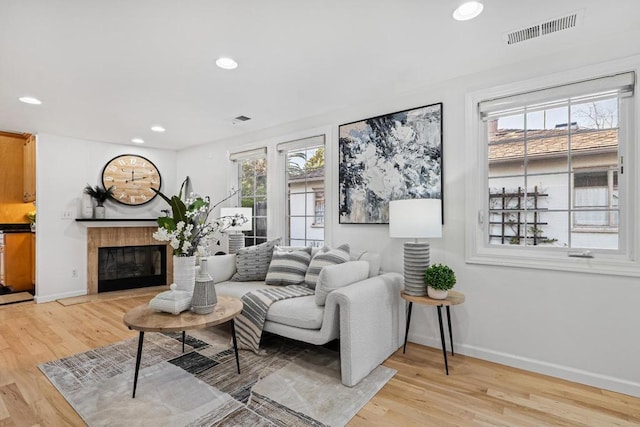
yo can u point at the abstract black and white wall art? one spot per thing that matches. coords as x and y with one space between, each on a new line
390 157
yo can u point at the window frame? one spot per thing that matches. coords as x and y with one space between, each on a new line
252 235
477 247
284 149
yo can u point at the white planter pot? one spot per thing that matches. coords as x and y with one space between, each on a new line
436 293
100 212
184 272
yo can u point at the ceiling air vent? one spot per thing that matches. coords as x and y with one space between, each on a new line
544 28
240 119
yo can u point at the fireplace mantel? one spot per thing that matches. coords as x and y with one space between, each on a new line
117 222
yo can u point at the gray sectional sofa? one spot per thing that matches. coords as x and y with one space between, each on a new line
363 309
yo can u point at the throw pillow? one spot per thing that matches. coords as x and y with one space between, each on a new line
338 276
288 266
252 263
323 259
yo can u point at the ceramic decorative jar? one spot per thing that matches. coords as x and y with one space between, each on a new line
204 291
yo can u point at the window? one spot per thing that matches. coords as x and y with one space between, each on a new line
596 191
552 174
252 182
304 191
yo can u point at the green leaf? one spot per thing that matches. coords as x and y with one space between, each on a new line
166 222
179 210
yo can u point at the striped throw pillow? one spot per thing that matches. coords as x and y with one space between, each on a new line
288 267
324 258
252 263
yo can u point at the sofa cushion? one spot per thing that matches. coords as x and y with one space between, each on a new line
288 266
252 263
238 289
323 259
333 277
374 259
301 312
220 267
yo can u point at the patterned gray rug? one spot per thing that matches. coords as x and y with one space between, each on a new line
293 385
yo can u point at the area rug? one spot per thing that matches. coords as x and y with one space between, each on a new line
294 384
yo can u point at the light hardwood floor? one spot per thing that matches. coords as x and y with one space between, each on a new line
475 393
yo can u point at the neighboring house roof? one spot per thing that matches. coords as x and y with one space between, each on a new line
508 144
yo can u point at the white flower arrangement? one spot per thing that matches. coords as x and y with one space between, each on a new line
189 227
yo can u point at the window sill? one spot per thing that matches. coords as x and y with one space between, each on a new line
610 230
558 261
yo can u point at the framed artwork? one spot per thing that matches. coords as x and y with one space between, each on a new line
389 157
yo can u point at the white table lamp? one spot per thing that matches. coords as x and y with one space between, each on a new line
236 237
415 219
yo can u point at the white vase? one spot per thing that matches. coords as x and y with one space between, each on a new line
87 206
184 272
436 293
204 292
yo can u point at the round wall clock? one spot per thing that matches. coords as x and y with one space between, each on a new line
132 177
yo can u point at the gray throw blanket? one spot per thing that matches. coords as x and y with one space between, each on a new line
250 322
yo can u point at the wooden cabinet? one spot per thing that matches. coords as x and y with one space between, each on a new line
18 261
29 169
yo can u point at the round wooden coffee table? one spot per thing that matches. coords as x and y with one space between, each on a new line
145 319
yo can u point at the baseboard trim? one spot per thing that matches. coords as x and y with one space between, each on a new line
541 367
48 298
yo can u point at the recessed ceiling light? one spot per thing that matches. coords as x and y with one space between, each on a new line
226 63
468 10
138 140
157 128
30 100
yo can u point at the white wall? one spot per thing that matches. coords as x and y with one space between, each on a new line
64 167
576 326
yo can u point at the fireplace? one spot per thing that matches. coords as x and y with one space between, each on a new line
109 249
130 267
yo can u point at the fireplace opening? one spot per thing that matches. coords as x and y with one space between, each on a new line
130 267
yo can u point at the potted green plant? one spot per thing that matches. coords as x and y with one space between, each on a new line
439 279
101 195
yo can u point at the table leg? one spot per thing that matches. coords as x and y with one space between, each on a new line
450 332
138 357
406 334
235 343
183 337
444 347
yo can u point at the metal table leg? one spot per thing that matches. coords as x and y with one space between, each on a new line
138 357
444 347
235 343
183 337
406 334
450 331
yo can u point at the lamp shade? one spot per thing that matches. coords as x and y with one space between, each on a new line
247 212
415 218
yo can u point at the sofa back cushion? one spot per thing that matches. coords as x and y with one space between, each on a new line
323 259
252 263
221 267
373 258
337 276
288 266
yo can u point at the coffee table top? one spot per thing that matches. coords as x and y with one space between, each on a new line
144 318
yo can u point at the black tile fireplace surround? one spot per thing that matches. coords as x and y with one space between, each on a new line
131 267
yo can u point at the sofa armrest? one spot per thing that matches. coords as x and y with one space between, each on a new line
371 324
221 267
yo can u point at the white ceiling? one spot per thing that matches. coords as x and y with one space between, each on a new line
108 70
